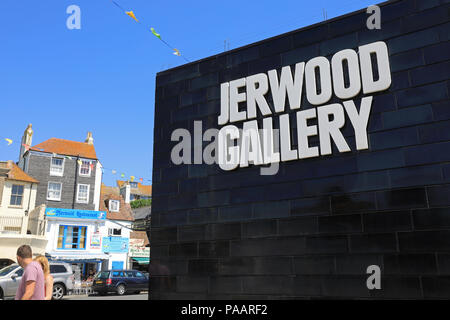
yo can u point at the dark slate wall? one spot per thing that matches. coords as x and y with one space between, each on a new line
312 229
39 168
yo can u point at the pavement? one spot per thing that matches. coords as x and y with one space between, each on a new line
141 296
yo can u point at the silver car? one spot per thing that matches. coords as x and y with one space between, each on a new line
63 280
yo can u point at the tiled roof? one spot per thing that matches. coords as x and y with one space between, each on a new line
67 147
144 190
142 235
15 173
110 190
124 214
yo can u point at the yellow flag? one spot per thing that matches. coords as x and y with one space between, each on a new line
9 141
79 162
132 178
177 52
131 14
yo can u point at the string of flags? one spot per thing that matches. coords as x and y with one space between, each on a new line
80 162
152 30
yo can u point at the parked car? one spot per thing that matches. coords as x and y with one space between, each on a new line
11 275
120 282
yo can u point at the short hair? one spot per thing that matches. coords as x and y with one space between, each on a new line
25 252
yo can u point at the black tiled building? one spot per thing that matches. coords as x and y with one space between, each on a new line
312 230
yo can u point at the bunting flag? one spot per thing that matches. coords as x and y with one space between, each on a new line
155 33
27 147
92 166
177 52
54 155
114 171
142 180
79 162
9 141
131 14
132 178
67 157
122 175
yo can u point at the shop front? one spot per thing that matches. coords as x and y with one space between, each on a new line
139 255
75 237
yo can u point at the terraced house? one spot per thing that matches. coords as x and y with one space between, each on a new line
68 197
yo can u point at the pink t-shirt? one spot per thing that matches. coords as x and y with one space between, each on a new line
33 272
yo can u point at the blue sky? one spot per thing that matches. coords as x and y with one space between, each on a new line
102 78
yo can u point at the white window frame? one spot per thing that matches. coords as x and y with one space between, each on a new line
51 166
60 191
111 232
15 195
118 205
134 184
89 166
78 193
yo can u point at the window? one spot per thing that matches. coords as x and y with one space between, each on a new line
102 275
16 195
57 167
114 232
85 168
114 205
83 193
117 274
57 268
133 184
140 275
129 274
71 237
54 191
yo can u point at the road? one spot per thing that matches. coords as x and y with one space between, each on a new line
142 296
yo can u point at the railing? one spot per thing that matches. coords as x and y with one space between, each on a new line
11 224
141 225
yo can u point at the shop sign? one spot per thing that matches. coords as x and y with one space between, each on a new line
75 214
115 244
139 251
96 240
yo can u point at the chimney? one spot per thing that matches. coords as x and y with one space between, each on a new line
27 139
125 192
89 139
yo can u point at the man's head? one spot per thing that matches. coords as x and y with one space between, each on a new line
24 255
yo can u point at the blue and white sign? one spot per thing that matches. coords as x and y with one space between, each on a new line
115 244
75 214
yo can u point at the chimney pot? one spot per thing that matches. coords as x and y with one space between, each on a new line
89 138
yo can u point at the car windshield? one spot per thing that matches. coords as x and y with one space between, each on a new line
102 275
8 269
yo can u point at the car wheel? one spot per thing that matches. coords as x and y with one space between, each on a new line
58 291
137 292
121 289
1 294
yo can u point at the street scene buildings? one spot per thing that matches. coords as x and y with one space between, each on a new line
53 199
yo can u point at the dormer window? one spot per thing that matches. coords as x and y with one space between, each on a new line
57 167
114 205
85 168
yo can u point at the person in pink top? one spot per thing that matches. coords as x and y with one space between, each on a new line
32 285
